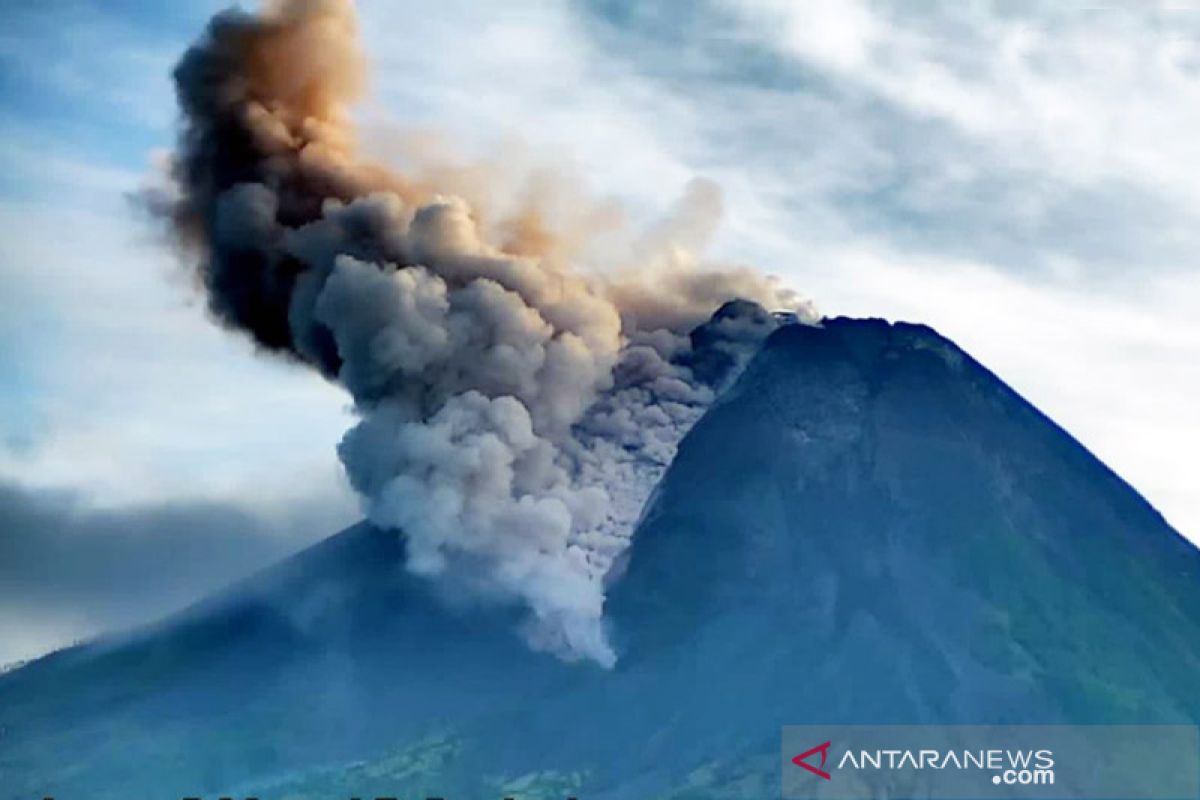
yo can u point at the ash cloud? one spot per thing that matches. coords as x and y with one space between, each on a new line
516 408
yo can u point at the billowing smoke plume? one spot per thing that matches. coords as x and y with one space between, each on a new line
515 412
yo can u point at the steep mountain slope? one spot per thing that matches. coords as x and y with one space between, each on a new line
872 528
868 527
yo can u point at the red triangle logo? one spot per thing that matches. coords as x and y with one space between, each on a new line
802 760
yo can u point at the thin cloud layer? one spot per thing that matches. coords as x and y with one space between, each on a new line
69 569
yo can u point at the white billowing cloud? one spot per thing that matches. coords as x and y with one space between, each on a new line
1088 93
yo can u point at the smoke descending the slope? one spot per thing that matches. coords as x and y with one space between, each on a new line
514 411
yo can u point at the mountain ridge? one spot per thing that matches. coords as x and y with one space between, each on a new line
868 526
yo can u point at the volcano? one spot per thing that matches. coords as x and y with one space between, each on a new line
867 527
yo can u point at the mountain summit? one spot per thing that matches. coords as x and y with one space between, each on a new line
867 527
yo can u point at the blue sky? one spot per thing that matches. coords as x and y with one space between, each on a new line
1023 179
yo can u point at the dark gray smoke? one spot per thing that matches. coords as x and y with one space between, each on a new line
516 411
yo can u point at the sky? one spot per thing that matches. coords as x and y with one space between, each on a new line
1021 176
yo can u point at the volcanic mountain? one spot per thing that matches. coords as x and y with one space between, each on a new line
868 526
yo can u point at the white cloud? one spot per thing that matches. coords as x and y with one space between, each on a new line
488 73
133 395
1088 93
